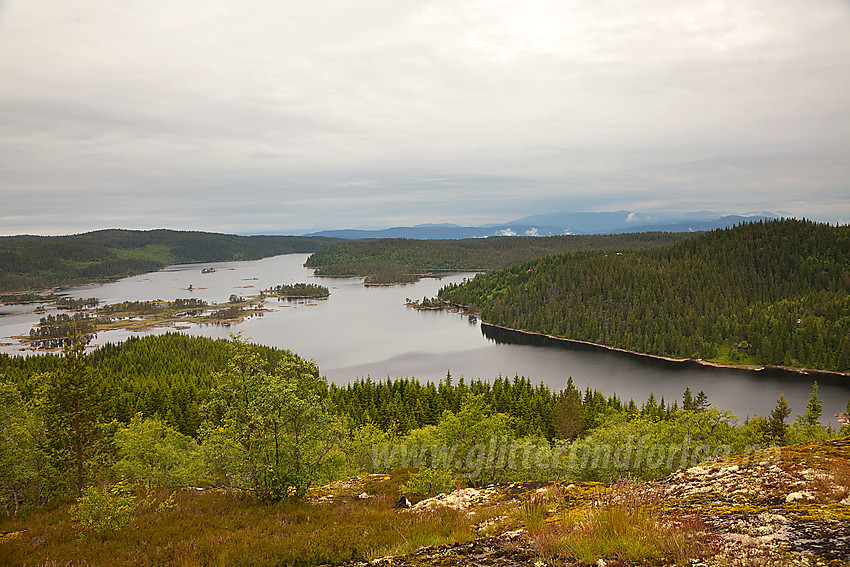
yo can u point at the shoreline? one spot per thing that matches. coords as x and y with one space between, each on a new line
698 361
29 344
299 296
386 284
363 278
436 273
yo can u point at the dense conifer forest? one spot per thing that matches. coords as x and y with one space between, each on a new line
775 292
40 262
402 405
170 376
399 259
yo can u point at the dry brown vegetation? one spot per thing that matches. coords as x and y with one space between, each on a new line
216 528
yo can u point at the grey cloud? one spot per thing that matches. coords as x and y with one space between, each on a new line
376 113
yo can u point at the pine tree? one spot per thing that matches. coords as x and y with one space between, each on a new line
71 412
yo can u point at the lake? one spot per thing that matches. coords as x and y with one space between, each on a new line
362 331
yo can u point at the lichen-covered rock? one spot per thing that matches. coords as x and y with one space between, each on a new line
464 498
491 552
792 504
794 496
354 487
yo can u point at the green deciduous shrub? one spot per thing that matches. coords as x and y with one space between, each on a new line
428 482
106 508
155 454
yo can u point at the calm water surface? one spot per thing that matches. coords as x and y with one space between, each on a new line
364 331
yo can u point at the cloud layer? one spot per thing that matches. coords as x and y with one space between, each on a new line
260 116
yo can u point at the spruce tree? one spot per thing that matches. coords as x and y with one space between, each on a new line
688 400
777 426
814 409
701 402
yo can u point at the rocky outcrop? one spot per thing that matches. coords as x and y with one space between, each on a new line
798 501
788 506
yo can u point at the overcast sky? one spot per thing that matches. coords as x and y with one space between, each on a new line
291 115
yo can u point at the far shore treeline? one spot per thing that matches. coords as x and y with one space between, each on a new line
37 263
43 262
401 260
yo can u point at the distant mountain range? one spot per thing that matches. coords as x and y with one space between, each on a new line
553 224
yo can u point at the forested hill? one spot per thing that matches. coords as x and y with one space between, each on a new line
775 292
167 375
364 258
38 262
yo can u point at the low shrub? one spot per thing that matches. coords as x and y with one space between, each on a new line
428 482
106 508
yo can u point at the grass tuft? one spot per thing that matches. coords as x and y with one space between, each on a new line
534 513
627 525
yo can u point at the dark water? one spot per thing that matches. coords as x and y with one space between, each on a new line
364 331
